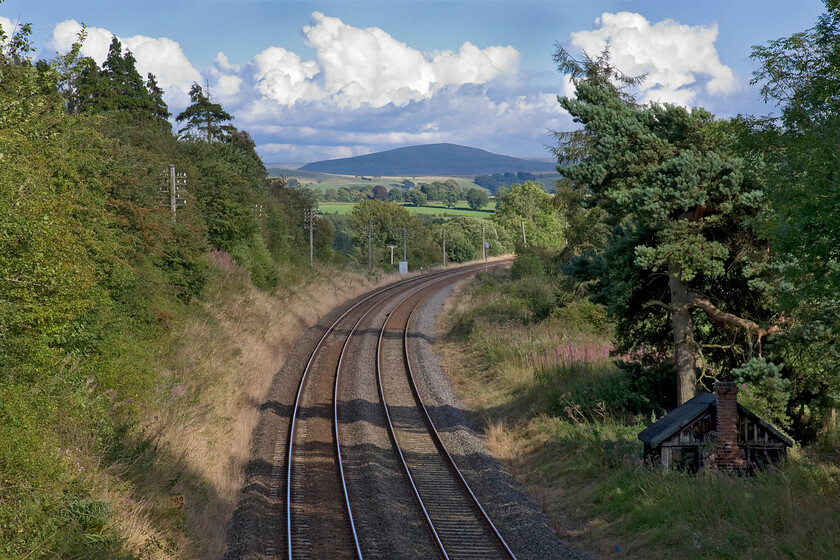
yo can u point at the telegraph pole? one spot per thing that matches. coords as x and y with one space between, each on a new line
392 247
484 247
311 248
370 249
405 245
173 201
444 247
176 186
309 223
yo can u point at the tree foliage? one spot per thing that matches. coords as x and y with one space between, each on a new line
93 270
204 119
678 196
800 152
477 199
528 203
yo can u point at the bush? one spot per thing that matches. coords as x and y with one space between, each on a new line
582 316
527 265
538 295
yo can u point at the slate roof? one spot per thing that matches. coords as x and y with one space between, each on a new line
688 412
677 419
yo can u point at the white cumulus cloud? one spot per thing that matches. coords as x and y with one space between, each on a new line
162 57
357 67
679 59
282 76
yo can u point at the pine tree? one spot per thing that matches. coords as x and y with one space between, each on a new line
678 200
205 119
159 108
117 86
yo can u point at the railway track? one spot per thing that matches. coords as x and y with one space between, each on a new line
460 525
335 505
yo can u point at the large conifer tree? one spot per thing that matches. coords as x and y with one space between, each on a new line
205 119
678 201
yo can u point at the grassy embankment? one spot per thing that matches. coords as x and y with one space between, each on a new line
164 483
564 420
195 438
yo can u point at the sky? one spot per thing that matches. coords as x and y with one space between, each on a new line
314 80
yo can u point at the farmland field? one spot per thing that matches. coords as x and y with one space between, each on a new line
324 181
461 209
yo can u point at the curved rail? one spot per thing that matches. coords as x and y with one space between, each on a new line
293 422
438 441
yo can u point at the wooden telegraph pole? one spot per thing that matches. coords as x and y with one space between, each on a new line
370 246
484 247
309 224
175 190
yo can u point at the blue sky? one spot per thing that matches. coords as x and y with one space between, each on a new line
318 80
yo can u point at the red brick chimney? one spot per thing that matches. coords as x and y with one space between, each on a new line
729 457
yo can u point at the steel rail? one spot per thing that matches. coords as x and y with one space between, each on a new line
395 439
438 437
335 401
293 421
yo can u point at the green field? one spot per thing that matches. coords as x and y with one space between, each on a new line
324 181
461 209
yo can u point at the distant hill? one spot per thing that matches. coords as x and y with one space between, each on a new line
430 159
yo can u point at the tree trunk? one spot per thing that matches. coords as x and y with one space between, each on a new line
685 349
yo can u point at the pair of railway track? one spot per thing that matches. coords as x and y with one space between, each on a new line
357 385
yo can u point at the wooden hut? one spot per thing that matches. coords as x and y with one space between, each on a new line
713 429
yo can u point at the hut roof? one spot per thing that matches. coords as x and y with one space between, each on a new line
688 412
677 419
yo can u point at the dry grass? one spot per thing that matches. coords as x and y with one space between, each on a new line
220 367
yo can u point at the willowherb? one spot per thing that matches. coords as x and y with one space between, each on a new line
570 353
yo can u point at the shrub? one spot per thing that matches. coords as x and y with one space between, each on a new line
582 316
538 295
527 265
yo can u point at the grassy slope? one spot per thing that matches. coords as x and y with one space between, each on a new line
560 430
190 430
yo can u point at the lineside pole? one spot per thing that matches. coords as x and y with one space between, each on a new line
173 199
370 250
484 247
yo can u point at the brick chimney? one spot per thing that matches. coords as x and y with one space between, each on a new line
729 457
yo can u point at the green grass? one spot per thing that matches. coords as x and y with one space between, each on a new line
335 207
461 209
